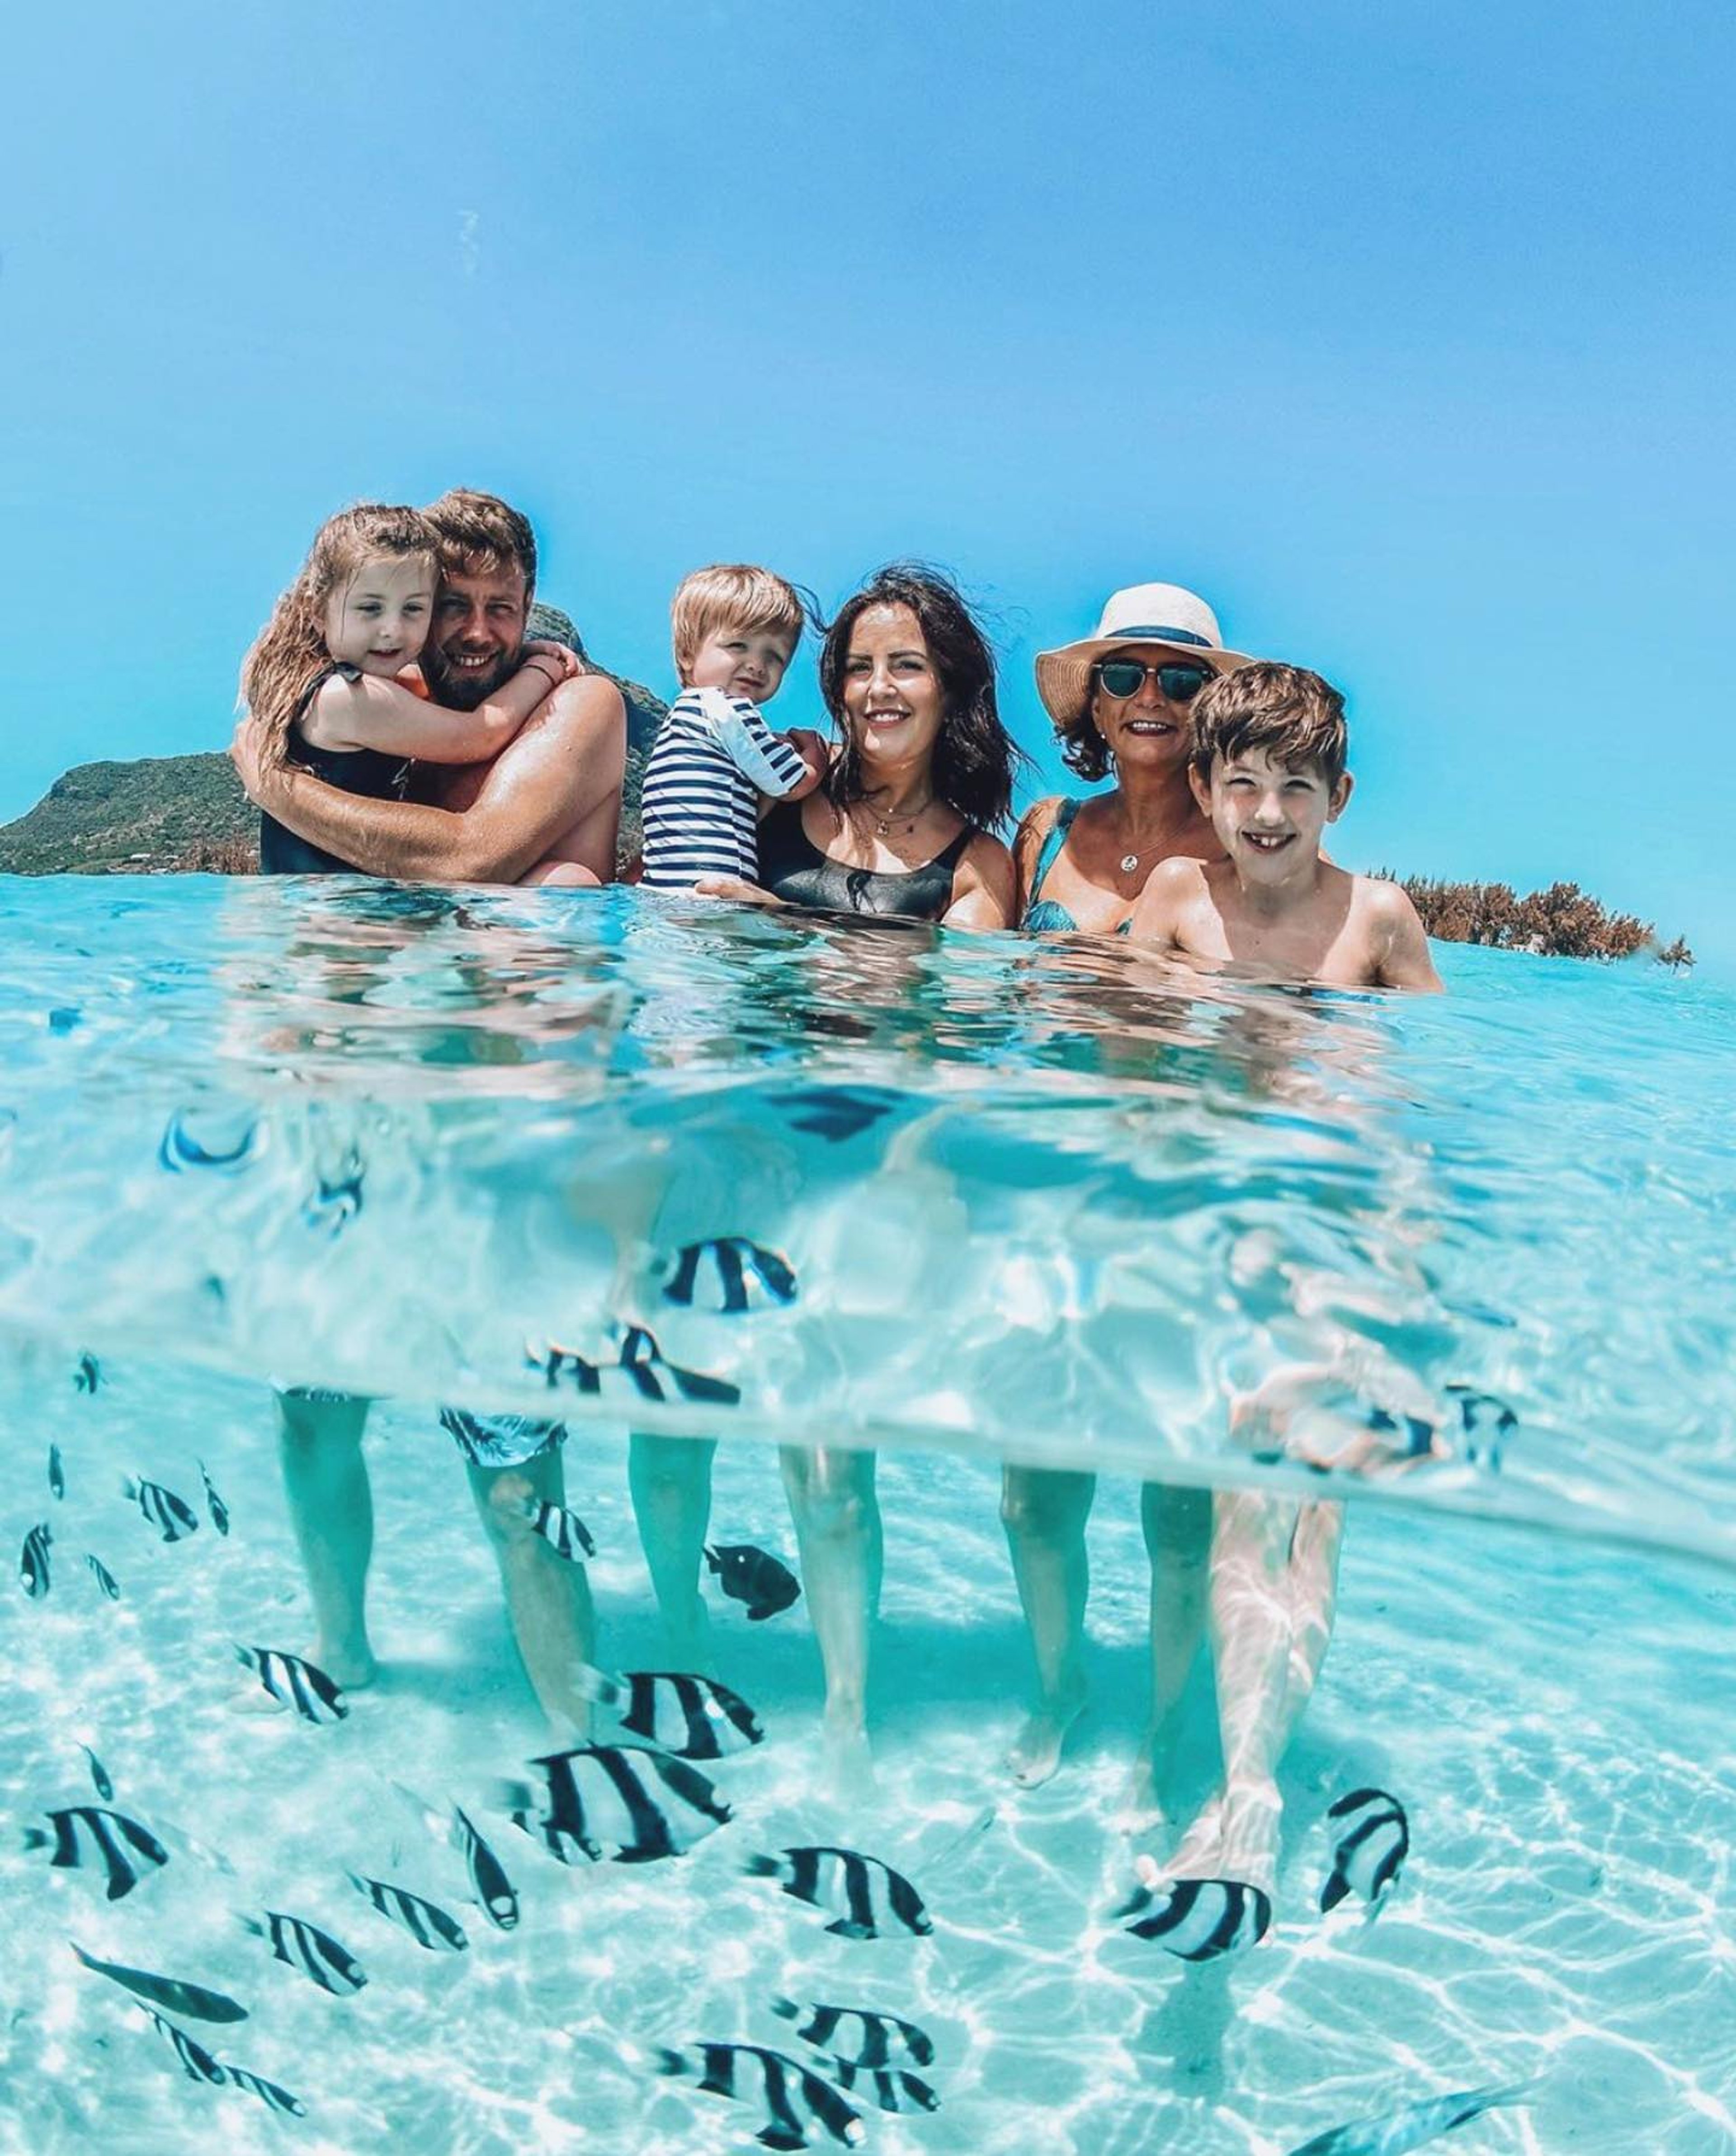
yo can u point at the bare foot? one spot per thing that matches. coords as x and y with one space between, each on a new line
688 1638
1146 1807
352 1669
1034 1753
848 1764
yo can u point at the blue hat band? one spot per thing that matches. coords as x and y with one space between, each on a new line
1159 634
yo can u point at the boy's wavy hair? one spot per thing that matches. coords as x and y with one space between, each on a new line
731 595
289 656
480 535
1296 717
976 758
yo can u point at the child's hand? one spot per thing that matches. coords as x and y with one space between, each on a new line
546 647
816 752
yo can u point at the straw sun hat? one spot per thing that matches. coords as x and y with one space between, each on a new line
1165 614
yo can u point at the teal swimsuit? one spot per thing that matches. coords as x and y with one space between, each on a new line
1045 916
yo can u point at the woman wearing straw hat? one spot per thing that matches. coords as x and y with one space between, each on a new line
1118 700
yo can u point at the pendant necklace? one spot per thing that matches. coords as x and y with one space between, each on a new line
1130 862
883 825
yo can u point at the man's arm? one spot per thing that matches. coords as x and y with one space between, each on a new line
567 762
1407 962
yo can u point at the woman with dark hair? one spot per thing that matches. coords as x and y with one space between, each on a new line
901 826
1119 703
923 773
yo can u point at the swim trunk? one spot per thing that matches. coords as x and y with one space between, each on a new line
506 1441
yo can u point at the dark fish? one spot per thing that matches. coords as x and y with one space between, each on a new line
888 2088
314 1954
837 1112
692 1717
195 2062
104 1577
489 1880
33 1562
65 1018
98 1775
171 1516
1417 2123
793 2099
168 1992
866 1897
429 1926
856 2034
338 1198
268 2092
57 1474
1374 1839
88 1375
754 1577
563 1532
86 1837
606 1800
298 1684
1199 1919
214 1505
730 1274
180 1150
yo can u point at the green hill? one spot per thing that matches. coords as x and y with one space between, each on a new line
182 814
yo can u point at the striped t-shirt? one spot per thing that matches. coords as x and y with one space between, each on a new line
714 757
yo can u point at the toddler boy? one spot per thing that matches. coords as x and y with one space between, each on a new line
733 630
1269 750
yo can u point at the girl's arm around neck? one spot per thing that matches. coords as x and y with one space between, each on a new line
366 712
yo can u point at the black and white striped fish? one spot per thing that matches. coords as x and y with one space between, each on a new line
493 1890
857 2033
195 2062
214 1505
273 2096
793 2099
229 1152
88 1375
313 1954
1485 1422
426 1923
638 1370
888 2088
865 1896
173 1516
1373 1840
57 1473
1199 1919
86 1838
313 1695
616 1801
104 1577
35 1575
563 1532
692 1717
1399 2130
174 1993
338 1200
731 1276
98 1776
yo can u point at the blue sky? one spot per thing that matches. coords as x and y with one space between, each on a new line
1405 335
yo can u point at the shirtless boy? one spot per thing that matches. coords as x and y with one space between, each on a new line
1269 749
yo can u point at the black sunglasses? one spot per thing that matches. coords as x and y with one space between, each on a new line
1122 678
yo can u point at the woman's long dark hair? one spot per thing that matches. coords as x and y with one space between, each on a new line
975 756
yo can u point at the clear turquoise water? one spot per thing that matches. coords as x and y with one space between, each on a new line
1041 1204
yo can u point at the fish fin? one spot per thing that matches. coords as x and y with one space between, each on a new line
846 1928
667 2062
251 1924
780 2136
596 1685
37 1837
1139 1899
1334 1891
89 1960
786 2010
763 1867
761 1611
712 1561
509 1796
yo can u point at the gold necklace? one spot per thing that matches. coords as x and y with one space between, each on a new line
1130 862
883 825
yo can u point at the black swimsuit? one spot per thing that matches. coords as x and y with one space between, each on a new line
366 770
793 868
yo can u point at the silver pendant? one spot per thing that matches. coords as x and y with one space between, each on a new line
1130 862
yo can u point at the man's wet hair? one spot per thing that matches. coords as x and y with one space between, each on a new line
1295 717
481 535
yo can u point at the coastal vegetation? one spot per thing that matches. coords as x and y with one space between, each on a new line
1561 922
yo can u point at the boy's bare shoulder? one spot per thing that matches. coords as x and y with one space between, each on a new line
1180 877
1384 903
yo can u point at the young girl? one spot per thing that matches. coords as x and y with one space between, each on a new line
334 679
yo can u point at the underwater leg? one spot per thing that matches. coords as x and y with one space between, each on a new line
331 1512
1044 1512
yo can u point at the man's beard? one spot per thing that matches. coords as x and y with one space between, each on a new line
463 692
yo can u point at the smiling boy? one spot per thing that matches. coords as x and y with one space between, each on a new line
1267 767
